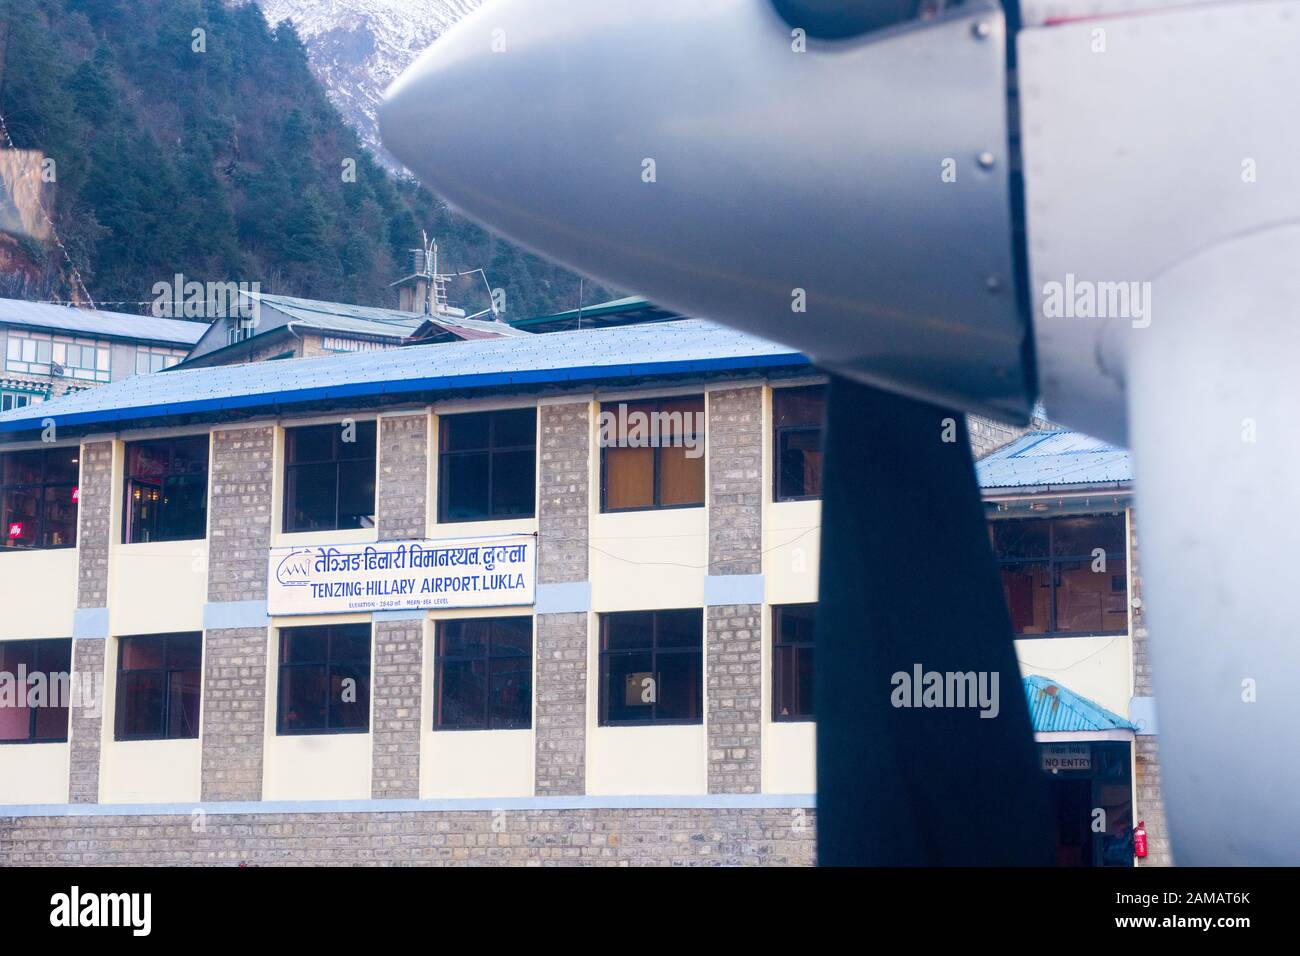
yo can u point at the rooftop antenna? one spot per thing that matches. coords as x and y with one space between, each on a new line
435 293
425 288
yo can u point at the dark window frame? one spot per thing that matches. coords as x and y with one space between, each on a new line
779 431
656 466
329 663
1052 560
801 715
492 451
42 643
441 658
335 460
602 672
119 716
128 530
41 488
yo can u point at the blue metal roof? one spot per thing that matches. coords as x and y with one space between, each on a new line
117 325
592 355
344 316
369 313
1054 708
1054 459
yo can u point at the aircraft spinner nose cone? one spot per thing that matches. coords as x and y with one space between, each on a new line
694 154
473 94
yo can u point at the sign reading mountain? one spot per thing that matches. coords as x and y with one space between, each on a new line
402 575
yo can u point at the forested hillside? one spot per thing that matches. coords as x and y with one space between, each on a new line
215 154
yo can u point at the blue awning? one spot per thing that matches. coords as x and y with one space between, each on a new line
1054 708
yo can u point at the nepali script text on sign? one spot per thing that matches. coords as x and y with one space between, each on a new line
402 575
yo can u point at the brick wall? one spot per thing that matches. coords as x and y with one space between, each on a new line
403 491
239 513
234 698
563 492
94 510
1141 657
731 837
733 634
86 722
1150 801
988 436
735 693
735 447
560 640
396 691
560 718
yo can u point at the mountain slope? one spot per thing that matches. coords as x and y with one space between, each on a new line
216 155
358 47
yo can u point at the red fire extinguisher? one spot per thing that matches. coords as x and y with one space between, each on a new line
1140 839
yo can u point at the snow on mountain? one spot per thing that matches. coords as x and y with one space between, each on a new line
358 47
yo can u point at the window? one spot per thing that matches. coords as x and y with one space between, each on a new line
651 667
652 454
158 686
485 674
241 328
39 354
792 662
47 721
38 495
154 359
329 479
1063 576
487 464
11 400
324 680
166 490
799 415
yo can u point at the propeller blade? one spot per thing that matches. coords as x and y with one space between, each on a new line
1213 399
849 198
908 584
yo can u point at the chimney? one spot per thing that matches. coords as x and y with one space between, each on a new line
413 290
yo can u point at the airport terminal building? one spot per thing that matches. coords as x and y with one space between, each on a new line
528 600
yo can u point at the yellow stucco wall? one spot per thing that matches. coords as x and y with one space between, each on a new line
144 771
791 548
312 766
791 545
158 588
640 760
33 773
150 771
644 760
476 763
50 574
472 763
647 560
789 757
1099 668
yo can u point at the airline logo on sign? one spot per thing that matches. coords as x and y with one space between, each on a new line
402 575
